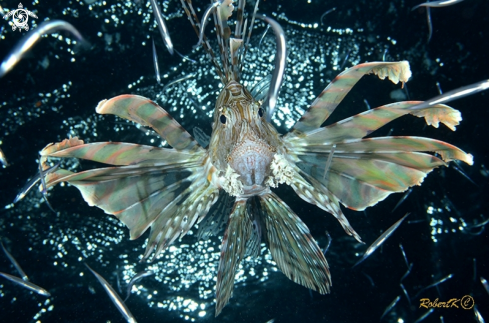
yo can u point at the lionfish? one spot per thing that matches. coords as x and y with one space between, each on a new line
171 189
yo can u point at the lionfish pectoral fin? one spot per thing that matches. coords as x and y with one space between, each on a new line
333 94
177 217
233 249
122 154
214 223
366 171
134 195
256 215
147 113
363 124
151 187
293 248
56 147
202 138
435 114
312 191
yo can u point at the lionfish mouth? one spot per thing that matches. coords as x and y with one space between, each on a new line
251 159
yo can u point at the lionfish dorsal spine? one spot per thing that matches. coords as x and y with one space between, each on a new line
195 22
232 50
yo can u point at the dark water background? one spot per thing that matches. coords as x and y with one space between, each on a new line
36 236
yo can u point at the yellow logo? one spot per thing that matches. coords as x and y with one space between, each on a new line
466 302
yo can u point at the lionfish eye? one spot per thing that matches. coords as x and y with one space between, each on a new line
260 112
222 118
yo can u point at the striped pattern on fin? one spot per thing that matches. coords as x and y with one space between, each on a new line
447 151
159 187
395 144
233 249
362 180
136 197
122 154
365 171
108 173
365 123
333 94
293 248
147 113
170 201
58 146
216 220
176 219
253 245
312 191
136 200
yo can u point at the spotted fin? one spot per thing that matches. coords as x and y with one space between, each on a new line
216 220
233 249
312 191
333 94
176 219
163 188
292 246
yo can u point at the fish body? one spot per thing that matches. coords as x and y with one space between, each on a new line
135 279
380 240
3 159
390 306
437 4
34 180
485 284
26 284
32 37
155 63
171 189
165 35
114 297
14 262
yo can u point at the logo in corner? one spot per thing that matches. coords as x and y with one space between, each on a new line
467 302
20 17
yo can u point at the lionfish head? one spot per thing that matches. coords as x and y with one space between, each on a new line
242 139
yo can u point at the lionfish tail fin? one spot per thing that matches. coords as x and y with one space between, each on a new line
233 250
293 248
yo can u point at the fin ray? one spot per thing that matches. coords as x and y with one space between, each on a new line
233 249
147 113
333 94
293 248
